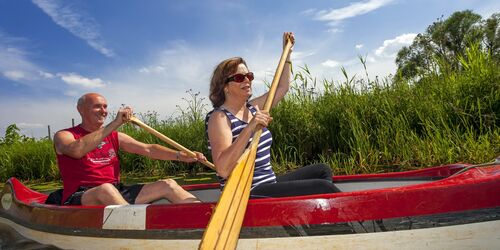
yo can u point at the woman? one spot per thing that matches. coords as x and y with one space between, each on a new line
230 127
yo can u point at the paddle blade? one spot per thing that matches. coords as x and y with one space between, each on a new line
212 235
234 231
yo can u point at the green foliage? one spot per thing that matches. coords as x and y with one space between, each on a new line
361 126
27 160
445 41
12 136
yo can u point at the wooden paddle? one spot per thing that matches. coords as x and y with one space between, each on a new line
225 224
494 162
169 141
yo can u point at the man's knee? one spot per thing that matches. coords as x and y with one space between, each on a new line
104 192
170 184
107 189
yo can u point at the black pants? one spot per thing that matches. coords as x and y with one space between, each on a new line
311 179
129 193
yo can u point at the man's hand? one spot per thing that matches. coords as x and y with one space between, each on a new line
186 158
123 116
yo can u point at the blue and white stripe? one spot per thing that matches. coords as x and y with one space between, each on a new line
263 172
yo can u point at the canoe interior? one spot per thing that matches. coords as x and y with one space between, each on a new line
213 194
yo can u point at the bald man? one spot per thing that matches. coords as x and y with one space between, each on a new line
87 156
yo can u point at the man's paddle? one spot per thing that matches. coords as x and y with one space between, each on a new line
225 224
494 162
168 140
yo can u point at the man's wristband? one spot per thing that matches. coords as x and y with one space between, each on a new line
178 155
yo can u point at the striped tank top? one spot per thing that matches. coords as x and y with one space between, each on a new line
263 172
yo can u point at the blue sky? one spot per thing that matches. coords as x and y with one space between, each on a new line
146 54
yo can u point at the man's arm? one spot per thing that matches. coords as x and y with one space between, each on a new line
154 151
66 144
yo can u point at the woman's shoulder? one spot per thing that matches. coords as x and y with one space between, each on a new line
216 114
217 119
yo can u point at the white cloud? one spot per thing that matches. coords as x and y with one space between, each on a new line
335 30
79 24
15 75
34 115
330 63
354 9
46 75
359 46
391 47
179 63
72 93
14 63
379 62
308 12
78 80
154 69
486 9
29 125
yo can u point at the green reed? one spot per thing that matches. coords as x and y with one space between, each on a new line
28 160
363 126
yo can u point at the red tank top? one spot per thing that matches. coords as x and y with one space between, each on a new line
98 166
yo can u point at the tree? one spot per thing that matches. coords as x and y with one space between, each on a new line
12 135
492 35
445 40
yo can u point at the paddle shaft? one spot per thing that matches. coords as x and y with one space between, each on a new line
495 162
169 141
225 224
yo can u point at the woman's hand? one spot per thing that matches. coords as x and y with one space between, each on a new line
261 119
286 36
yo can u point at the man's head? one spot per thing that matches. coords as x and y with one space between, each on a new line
93 109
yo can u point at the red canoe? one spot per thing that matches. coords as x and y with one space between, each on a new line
428 208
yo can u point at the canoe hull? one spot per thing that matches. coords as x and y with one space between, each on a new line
482 235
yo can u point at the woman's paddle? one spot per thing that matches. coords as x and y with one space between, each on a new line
168 140
225 224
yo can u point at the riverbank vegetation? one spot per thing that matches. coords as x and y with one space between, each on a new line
442 106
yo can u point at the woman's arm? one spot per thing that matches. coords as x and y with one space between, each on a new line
284 82
226 153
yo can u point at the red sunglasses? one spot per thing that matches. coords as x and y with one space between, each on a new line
240 77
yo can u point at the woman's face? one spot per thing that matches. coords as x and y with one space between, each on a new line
236 89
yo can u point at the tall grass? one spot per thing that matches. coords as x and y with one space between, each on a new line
363 125
357 125
28 160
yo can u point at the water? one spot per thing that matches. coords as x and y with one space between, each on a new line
11 239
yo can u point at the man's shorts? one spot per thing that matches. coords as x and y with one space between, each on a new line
129 193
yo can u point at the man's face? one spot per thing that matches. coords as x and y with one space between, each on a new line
95 110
